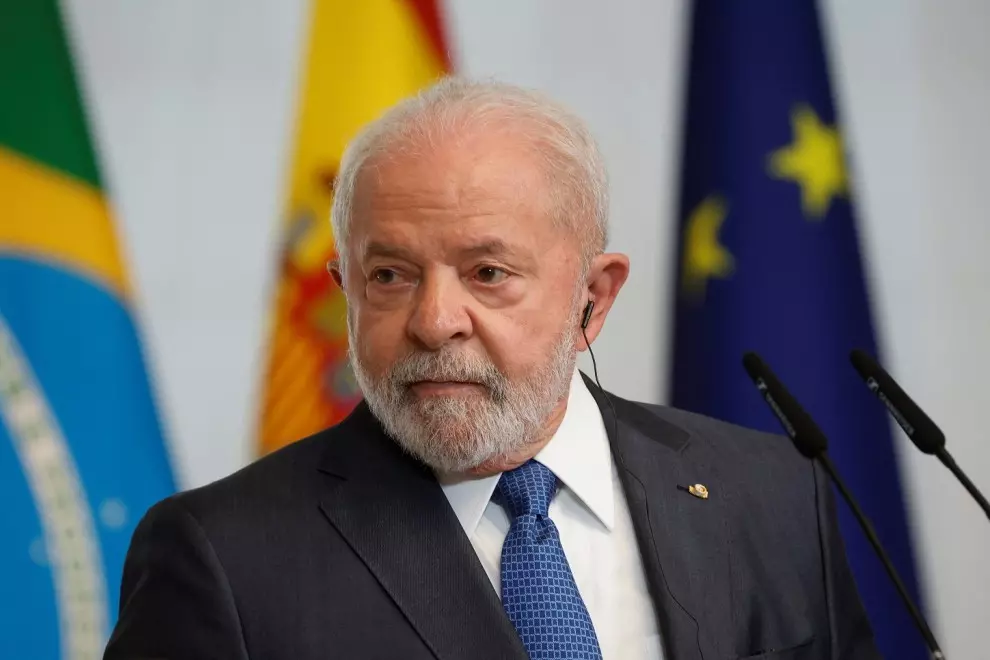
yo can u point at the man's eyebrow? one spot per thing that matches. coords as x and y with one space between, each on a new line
379 249
493 247
489 248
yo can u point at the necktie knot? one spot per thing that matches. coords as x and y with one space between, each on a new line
528 489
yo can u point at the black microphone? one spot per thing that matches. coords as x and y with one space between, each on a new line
923 432
813 444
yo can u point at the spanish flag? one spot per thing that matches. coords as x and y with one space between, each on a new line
362 58
81 450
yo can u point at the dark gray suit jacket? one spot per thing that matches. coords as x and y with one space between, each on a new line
341 546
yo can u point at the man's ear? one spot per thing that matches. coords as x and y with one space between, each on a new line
333 267
606 276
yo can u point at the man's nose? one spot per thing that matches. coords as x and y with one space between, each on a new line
440 315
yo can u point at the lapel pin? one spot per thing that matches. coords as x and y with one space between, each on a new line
698 490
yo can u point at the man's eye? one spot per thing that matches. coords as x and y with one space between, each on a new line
491 275
384 276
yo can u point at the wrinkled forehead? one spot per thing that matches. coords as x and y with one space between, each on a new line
497 167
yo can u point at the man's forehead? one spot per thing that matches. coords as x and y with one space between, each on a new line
472 163
484 193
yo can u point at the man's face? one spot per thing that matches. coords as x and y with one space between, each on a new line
463 299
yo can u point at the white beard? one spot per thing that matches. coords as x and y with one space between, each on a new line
454 434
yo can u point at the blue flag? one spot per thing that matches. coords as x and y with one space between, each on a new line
769 261
81 450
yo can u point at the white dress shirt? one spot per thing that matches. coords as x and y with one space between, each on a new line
591 513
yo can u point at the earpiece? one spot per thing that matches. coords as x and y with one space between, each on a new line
586 314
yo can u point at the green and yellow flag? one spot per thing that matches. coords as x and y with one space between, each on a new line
362 58
81 449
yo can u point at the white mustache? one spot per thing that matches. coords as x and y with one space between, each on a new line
447 367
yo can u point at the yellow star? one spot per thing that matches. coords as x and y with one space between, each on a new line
704 257
814 161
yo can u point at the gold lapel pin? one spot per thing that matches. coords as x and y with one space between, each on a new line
699 491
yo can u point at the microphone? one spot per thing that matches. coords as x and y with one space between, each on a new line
813 444
918 426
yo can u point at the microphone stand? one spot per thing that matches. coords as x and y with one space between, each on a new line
871 535
950 463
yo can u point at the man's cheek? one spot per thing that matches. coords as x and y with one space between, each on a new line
380 339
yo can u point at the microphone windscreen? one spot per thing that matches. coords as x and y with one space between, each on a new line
807 437
919 426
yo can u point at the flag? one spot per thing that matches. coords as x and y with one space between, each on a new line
81 449
362 58
769 261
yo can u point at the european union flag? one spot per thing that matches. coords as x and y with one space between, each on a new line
81 450
769 261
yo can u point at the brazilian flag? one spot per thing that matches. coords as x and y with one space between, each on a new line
81 449
769 260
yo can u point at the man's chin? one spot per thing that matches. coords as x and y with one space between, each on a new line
448 433
448 462
436 412
450 448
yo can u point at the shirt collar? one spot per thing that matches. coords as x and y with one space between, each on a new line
578 453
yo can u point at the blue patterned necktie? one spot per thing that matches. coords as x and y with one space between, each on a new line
538 589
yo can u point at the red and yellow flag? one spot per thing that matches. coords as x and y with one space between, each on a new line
362 58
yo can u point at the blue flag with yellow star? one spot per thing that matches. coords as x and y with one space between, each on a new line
770 262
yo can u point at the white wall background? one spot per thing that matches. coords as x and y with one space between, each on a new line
193 102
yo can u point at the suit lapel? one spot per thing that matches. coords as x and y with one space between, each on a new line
682 538
395 516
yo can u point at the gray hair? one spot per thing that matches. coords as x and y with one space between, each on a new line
573 161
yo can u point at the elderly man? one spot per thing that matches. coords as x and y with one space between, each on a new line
487 500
